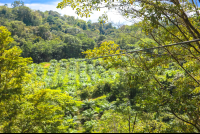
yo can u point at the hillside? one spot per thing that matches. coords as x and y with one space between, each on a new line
48 35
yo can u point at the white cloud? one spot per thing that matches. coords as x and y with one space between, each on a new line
1 4
113 16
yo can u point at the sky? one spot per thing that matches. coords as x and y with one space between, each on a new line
47 5
28 1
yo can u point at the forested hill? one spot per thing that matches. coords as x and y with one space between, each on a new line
156 90
48 35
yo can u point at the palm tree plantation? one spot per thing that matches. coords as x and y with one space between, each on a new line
61 74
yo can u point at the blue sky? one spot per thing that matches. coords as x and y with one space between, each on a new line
197 2
29 1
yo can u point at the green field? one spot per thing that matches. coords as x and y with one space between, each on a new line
72 75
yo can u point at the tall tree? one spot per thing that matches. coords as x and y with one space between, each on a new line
12 75
17 4
166 22
152 11
28 108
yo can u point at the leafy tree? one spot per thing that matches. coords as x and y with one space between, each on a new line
17 28
166 22
101 29
44 51
36 18
106 48
173 95
50 19
24 106
13 69
53 13
17 4
44 32
4 10
24 14
82 24
88 43
101 39
89 23
74 47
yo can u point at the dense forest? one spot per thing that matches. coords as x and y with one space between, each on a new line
62 74
48 35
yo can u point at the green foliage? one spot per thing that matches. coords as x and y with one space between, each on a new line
13 74
13 67
25 106
64 36
17 4
149 91
165 91
46 109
